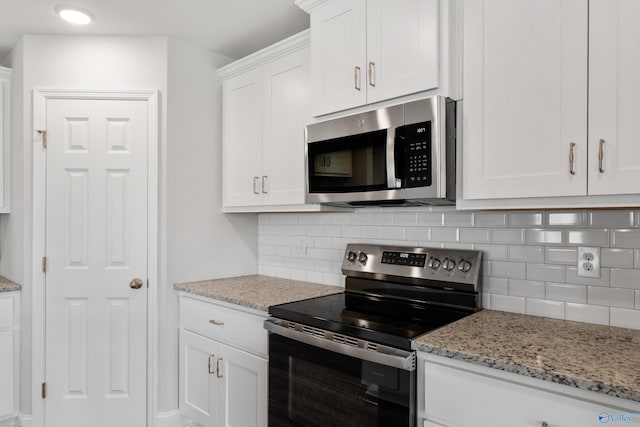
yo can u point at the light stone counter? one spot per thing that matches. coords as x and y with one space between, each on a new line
257 292
590 357
7 285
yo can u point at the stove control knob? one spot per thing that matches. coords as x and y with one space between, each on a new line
362 257
351 256
449 265
434 263
464 266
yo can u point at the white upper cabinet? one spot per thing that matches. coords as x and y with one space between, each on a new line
5 137
614 95
536 132
366 51
525 98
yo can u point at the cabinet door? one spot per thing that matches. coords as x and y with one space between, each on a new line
6 373
525 98
402 48
614 91
242 139
338 56
5 137
198 386
287 109
243 396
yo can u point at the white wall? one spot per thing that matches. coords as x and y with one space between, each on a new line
196 241
530 257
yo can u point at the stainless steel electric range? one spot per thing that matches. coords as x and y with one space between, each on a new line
345 359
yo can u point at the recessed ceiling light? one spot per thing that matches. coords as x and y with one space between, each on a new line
74 15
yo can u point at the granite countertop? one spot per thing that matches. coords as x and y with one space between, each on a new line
257 292
590 357
7 285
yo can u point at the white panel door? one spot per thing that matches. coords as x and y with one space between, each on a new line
243 389
96 243
614 92
287 109
525 98
402 48
242 140
198 383
338 56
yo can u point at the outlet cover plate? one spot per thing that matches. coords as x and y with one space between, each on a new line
588 262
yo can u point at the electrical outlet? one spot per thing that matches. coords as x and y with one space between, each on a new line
588 262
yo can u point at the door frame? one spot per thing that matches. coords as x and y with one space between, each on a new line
38 360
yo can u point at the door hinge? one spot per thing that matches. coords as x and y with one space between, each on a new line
44 264
44 390
44 136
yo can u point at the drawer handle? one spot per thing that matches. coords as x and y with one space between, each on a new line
219 368
571 147
372 74
600 155
356 77
215 322
211 364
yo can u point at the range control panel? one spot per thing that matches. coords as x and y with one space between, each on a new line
444 265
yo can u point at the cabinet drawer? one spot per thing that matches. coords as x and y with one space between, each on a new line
6 313
240 329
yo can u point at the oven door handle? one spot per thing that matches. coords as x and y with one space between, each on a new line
387 356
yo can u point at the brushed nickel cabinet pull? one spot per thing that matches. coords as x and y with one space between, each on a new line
356 77
215 322
571 170
372 74
601 155
264 186
211 364
255 185
219 368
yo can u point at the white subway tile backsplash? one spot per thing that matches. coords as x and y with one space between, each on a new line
486 300
625 318
475 235
561 255
587 313
453 245
371 232
405 218
572 277
435 219
350 231
314 276
588 237
546 308
290 218
439 234
615 257
526 253
613 297
322 242
566 219
526 288
545 237
298 275
361 218
493 252
495 285
637 299
567 292
508 235
458 219
509 270
525 219
625 238
393 233
332 279
611 219
625 278
546 272
508 303
418 233
636 258
381 218
490 219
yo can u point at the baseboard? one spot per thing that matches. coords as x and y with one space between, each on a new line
25 420
9 422
19 420
168 419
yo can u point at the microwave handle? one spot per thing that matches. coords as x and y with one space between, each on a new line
393 178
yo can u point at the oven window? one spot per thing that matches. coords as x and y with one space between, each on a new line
352 163
314 387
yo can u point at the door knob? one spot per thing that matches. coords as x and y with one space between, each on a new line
136 283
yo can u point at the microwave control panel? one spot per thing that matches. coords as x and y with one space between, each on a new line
417 155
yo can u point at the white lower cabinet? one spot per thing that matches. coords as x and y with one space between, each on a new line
459 394
9 356
220 383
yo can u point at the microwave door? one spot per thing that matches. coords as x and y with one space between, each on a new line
394 180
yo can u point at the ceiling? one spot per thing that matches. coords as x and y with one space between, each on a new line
233 28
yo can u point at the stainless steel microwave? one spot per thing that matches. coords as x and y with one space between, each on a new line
401 155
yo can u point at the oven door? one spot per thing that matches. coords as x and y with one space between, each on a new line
313 386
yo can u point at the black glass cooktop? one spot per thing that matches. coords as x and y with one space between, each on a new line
391 323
